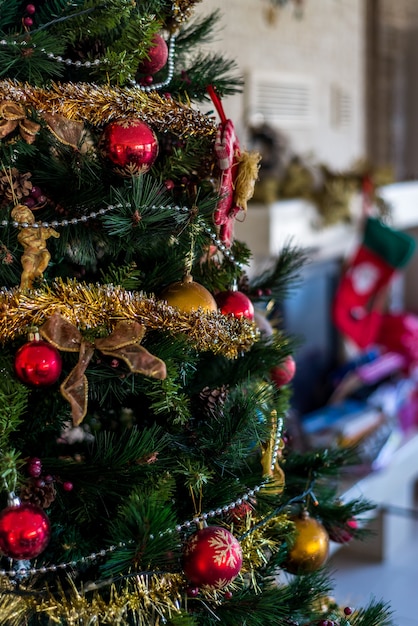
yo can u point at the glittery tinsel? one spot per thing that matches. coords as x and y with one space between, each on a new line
98 105
89 306
148 597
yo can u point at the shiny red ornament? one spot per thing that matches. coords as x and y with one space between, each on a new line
157 56
212 557
282 374
235 303
38 363
24 531
130 145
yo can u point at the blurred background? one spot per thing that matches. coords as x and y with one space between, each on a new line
335 77
330 100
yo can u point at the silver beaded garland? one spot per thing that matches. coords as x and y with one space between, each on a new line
23 572
104 61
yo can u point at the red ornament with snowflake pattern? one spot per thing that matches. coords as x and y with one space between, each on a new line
130 145
212 557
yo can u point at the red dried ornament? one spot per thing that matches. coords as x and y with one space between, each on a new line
156 58
34 467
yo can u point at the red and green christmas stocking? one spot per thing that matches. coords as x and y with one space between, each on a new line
360 296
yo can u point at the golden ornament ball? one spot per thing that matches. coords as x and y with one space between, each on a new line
310 549
187 296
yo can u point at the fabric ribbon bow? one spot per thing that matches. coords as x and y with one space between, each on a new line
122 343
13 115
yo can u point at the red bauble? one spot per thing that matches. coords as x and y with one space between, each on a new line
157 56
130 145
24 531
342 534
235 303
38 363
212 557
283 374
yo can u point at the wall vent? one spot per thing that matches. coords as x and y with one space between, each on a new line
281 100
341 108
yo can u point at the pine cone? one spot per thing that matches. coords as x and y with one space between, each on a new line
14 185
38 492
213 400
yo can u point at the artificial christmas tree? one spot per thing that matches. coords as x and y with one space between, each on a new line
147 476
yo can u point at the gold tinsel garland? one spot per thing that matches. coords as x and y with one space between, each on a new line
182 10
90 306
98 105
150 598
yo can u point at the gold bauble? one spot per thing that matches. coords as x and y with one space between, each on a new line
310 548
187 296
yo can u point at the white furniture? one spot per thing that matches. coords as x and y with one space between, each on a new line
266 228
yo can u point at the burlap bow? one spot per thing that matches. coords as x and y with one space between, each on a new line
13 115
69 132
122 343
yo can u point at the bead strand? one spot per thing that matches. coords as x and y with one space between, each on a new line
14 573
23 571
170 73
278 442
89 64
63 223
84 218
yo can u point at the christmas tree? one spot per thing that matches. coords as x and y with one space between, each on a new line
147 473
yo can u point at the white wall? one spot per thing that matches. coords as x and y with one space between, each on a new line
325 48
